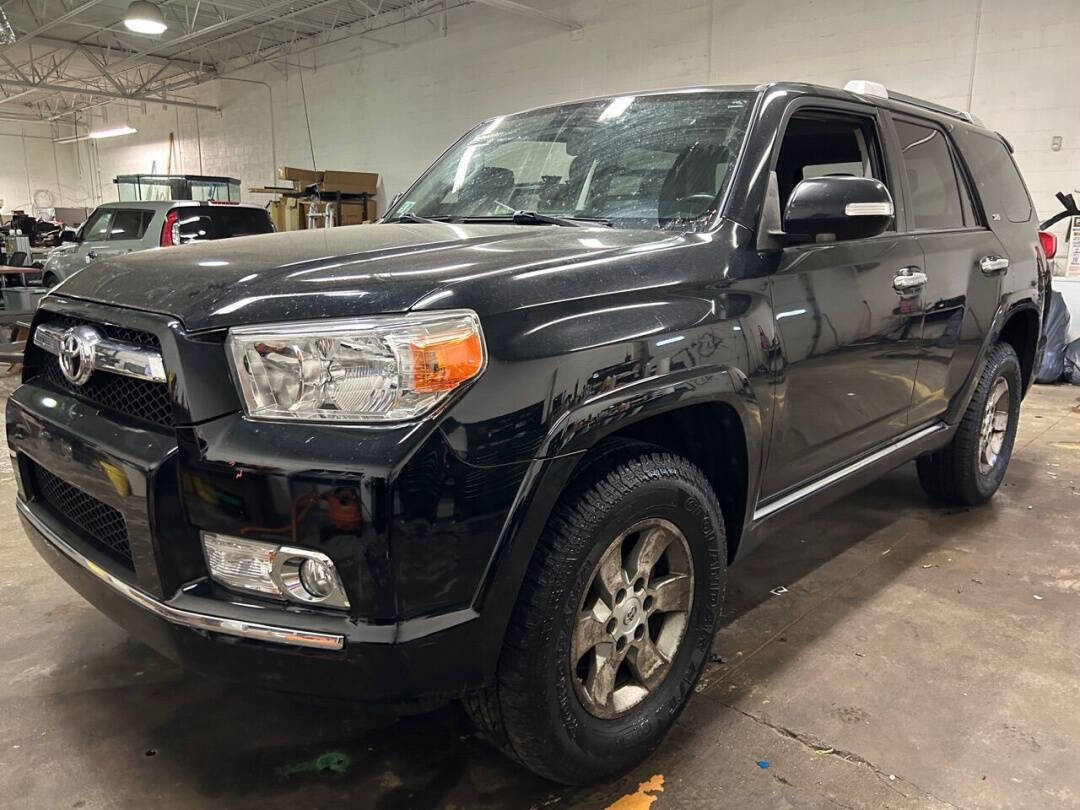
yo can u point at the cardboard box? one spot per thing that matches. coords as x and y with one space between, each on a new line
301 178
286 214
353 213
345 182
350 182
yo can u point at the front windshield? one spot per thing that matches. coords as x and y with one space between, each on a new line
656 162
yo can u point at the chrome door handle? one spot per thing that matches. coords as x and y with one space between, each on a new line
91 256
908 279
993 264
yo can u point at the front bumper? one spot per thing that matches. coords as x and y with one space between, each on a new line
49 541
372 665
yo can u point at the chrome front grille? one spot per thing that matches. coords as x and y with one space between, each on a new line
128 375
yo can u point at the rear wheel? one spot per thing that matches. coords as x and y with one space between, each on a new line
49 280
614 622
970 468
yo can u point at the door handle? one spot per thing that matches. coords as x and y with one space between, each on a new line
91 256
908 279
993 264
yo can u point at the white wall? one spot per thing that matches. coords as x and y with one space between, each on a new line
30 161
394 110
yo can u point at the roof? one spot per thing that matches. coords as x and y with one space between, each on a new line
896 101
161 205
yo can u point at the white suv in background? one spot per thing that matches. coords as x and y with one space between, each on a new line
121 227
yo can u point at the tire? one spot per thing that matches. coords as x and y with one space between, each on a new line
49 281
540 710
960 473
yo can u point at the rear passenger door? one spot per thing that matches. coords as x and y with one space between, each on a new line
959 298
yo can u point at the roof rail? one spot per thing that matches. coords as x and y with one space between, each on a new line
867 88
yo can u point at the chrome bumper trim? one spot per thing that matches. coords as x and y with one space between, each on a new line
109 355
186 618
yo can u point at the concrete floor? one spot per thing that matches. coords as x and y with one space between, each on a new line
921 657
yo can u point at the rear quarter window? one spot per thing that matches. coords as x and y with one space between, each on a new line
996 177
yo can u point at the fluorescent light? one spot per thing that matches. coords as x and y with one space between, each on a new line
144 18
112 133
463 167
97 134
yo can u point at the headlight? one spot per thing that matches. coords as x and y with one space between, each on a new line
380 369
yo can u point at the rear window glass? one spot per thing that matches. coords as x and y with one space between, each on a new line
130 224
996 177
931 176
229 222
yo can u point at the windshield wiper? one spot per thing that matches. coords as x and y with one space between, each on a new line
536 218
407 217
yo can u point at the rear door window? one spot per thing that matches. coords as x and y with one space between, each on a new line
932 180
130 223
997 179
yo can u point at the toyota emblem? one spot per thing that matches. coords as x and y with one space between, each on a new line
77 346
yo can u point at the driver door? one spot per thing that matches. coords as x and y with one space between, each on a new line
849 337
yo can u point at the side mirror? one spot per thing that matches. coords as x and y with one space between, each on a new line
68 237
827 209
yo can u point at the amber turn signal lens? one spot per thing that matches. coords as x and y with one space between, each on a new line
443 363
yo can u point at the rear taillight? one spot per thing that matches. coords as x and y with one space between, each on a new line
170 231
1049 243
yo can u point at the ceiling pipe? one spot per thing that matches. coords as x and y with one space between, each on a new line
273 134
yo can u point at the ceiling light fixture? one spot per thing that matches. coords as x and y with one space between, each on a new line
112 133
144 18
98 134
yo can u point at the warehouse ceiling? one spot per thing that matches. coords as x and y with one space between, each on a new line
59 58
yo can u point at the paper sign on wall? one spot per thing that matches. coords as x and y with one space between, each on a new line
1072 268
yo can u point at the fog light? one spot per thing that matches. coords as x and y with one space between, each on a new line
299 574
317 578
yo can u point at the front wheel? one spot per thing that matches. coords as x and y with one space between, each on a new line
969 470
614 622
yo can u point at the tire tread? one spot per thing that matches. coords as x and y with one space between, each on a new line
950 474
502 712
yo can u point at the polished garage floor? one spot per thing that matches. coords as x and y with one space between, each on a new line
920 657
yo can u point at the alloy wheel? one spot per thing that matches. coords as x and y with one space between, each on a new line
995 423
632 617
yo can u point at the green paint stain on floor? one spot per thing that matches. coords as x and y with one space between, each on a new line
330 762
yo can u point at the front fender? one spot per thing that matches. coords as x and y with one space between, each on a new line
578 430
567 443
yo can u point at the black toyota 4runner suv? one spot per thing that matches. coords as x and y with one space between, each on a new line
504 445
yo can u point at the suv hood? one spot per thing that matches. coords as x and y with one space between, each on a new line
369 269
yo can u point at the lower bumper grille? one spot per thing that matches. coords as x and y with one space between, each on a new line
93 521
